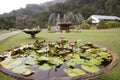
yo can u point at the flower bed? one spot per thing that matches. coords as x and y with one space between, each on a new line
58 60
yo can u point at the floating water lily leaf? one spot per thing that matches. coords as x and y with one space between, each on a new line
75 60
67 46
86 63
28 51
67 57
28 72
91 69
96 61
74 72
76 56
88 55
72 62
79 43
22 70
5 63
77 50
56 60
40 51
45 67
30 62
104 55
11 63
43 58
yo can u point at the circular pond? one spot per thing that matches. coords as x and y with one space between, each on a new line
58 60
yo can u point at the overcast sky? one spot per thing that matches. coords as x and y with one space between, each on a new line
9 5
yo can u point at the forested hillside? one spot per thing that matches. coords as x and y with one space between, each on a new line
34 14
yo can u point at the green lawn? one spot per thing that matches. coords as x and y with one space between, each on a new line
109 38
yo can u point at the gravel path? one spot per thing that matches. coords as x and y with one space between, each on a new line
7 35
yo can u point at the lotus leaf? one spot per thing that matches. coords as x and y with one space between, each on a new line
5 63
77 50
74 72
79 43
40 51
104 55
76 56
41 58
56 60
72 62
22 70
91 69
89 56
95 61
28 72
9 64
45 67
67 46
69 56
87 63
30 61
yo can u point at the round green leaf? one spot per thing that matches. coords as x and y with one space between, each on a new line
91 69
74 72
45 67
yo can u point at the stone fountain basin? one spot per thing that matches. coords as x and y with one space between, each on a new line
32 32
43 75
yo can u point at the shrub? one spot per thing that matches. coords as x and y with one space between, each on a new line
85 25
102 25
73 26
49 28
112 24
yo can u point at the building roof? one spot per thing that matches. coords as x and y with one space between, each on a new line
106 17
97 18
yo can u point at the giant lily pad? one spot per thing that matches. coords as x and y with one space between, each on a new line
91 69
56 61
74 72
72 62
45 67
30 61
22 70
9 64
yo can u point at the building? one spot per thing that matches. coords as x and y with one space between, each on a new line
97 18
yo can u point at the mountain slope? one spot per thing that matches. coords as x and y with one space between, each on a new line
38 14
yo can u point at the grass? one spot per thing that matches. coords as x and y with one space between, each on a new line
108 38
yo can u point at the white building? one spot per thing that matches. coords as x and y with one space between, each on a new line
96 18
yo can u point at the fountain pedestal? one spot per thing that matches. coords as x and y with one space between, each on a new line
64 26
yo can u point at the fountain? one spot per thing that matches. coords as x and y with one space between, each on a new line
64 23
32 32
64 26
